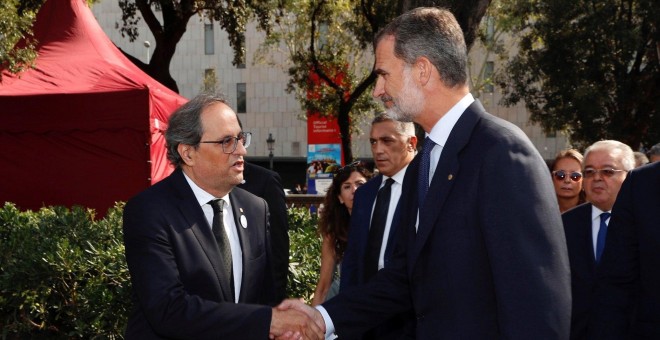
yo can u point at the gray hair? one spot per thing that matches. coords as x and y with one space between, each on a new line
185 125
403 128
433 33
655 150
627 155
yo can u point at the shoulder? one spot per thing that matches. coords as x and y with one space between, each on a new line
649 173
372 185
490 134
167 190
581 212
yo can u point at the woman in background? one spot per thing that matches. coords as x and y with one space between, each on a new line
334 221
567 178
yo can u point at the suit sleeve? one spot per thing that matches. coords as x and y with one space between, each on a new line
358 309
279 234
618 271
525 242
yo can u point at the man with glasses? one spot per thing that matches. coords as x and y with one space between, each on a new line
605 166
197 247
626 302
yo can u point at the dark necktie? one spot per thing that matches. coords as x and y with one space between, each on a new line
424 168
602 235
377 230
223 243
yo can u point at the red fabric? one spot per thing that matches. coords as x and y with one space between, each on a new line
85 127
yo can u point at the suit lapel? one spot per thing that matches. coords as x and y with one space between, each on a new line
242 226
446 174
587 236
364 220
194 216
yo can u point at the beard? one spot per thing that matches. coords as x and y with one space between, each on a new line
408 105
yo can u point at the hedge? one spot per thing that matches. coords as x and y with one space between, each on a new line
63 273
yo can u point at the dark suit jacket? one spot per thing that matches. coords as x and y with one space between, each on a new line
173 260
267 184
352 267
579 239
628 285
489 260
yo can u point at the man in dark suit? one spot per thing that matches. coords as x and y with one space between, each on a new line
370 248
197 247
267 184
628 276
482 253
605 166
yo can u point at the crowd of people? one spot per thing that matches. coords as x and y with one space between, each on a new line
472 238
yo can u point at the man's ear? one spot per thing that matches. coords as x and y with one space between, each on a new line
422 69
187 153
412 143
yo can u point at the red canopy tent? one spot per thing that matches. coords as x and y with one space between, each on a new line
85 127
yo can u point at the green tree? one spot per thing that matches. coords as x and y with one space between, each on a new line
167 20
588 68
170 24
326 42
16 23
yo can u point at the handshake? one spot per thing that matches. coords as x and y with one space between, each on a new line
293 319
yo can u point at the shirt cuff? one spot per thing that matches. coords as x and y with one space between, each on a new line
329 326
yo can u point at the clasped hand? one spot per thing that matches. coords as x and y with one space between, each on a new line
293 319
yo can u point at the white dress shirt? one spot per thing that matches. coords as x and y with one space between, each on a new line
203 199
595 225
394 200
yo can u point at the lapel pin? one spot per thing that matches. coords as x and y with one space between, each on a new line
450 177
243 220
240 209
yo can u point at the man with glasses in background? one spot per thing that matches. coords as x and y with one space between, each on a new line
198 248
606 164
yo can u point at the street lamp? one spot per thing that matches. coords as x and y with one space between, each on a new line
147 44
271 145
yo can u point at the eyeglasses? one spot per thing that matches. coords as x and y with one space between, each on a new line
606 172
229 144
560 175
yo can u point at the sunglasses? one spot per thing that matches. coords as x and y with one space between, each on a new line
349 167
607 172
560 175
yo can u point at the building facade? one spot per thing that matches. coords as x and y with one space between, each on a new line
257 92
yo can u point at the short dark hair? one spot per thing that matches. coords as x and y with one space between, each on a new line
185 125
433 33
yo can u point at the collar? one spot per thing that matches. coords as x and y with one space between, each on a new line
595 212
398 177
202 196
440 131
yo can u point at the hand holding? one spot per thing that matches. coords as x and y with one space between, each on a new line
293 323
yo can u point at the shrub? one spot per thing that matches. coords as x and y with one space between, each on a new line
63 274
304 253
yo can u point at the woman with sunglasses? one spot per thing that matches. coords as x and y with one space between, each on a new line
567 178
334 221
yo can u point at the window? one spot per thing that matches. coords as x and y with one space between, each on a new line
488 77
209 39
241 98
